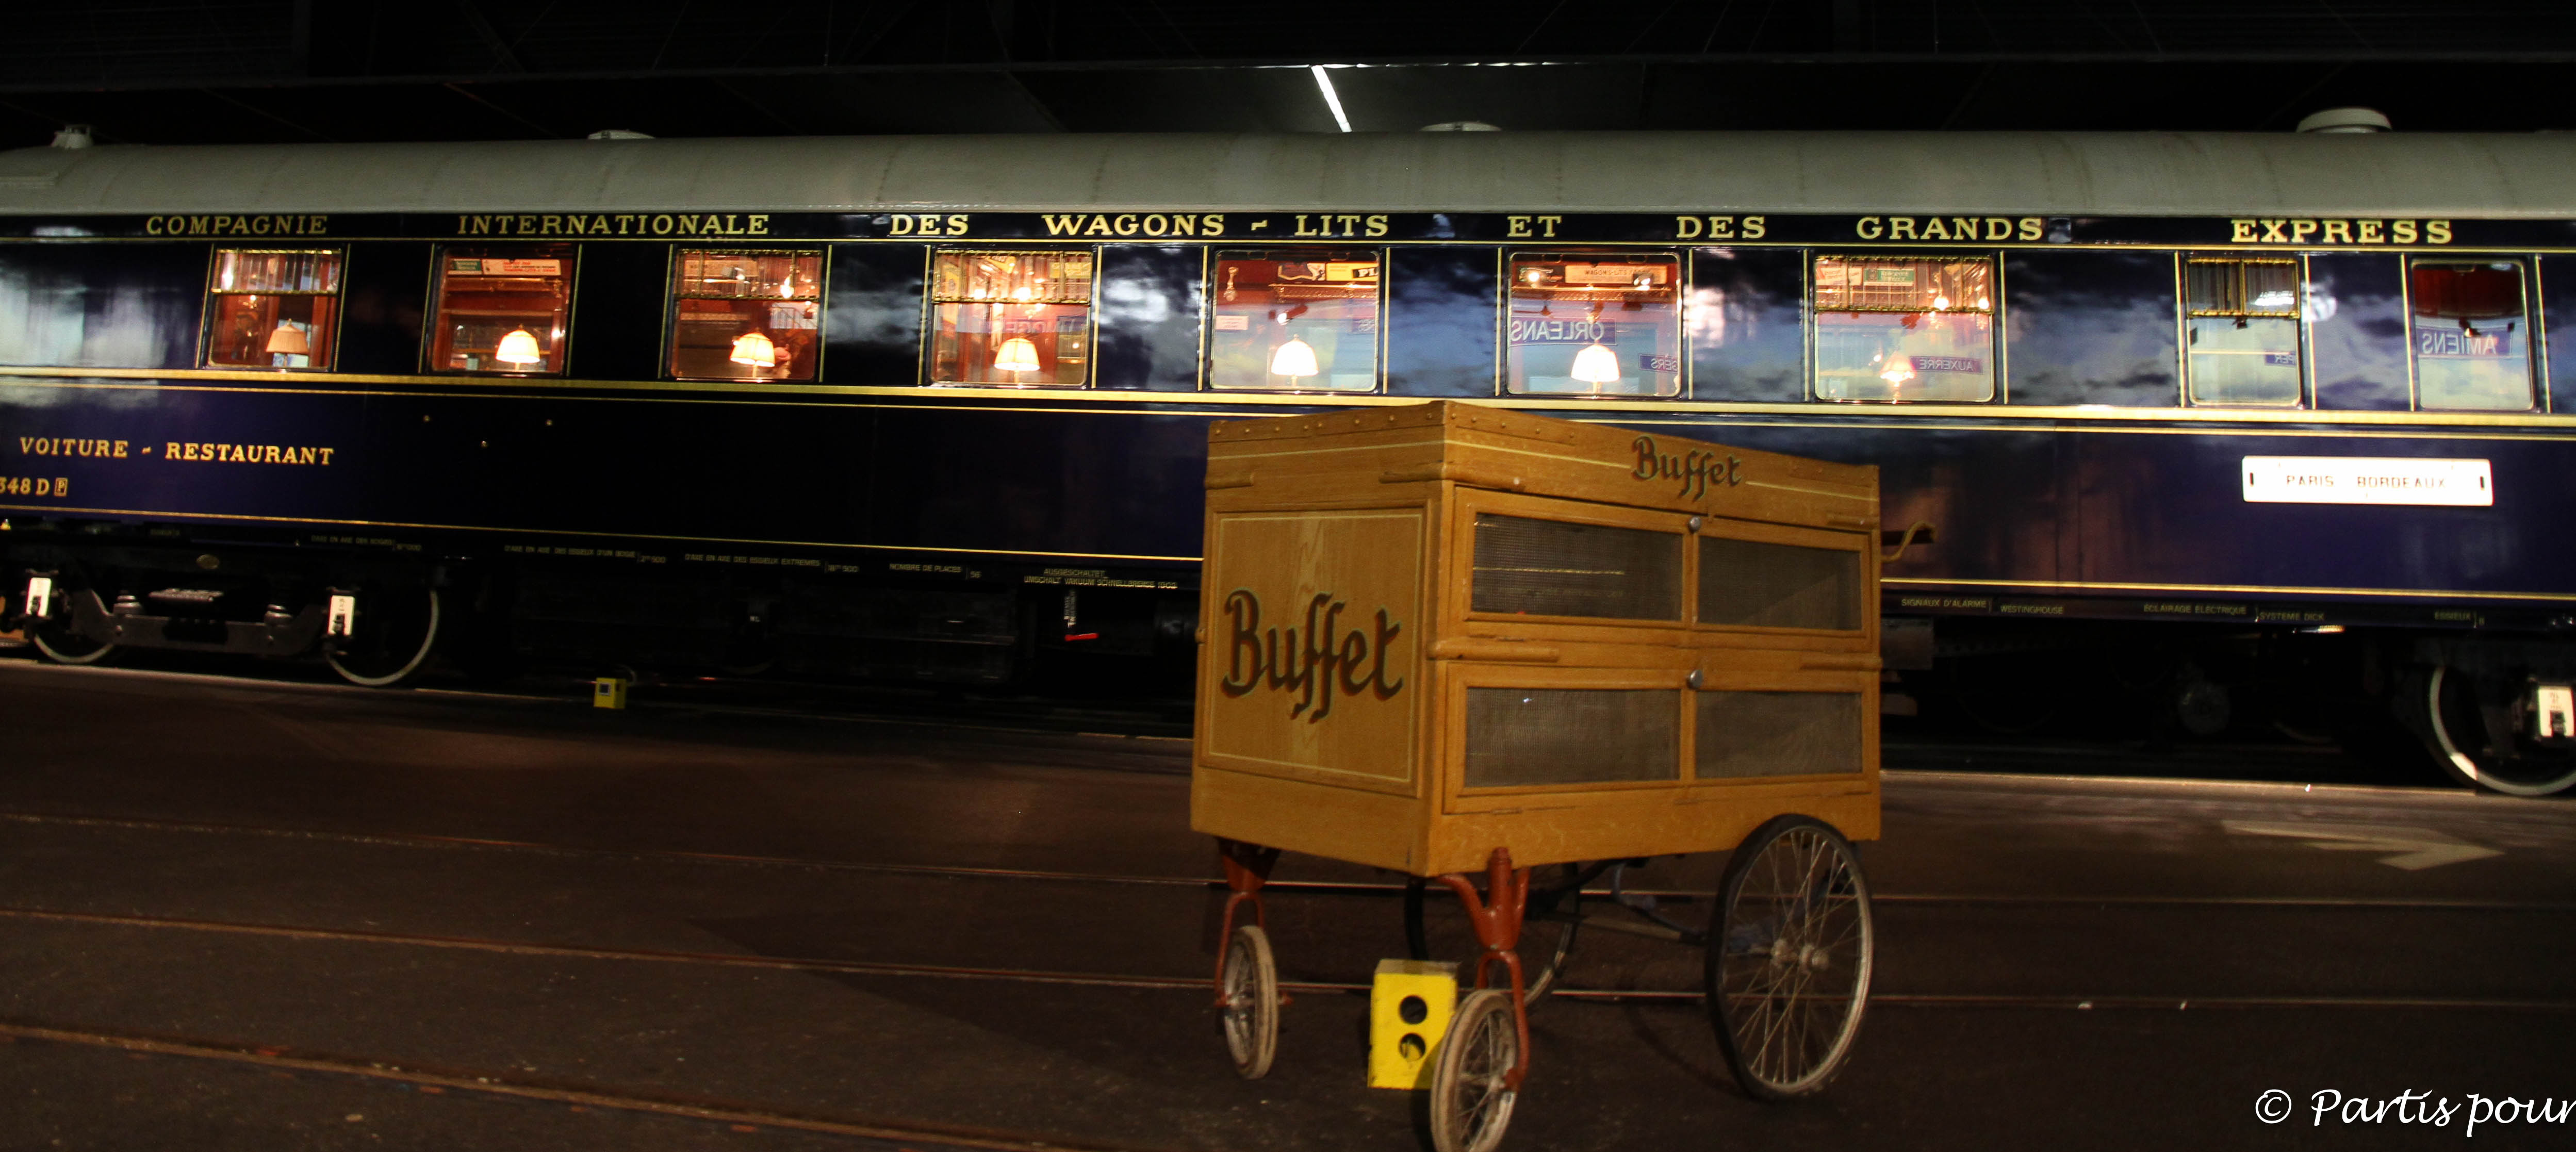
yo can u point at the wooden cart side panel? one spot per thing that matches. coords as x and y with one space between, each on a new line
1362 827
1312 624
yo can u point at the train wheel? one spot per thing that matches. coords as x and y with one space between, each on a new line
60 645
392 641
2480 726
1250 1013
1471 1097
1789 957
1545 942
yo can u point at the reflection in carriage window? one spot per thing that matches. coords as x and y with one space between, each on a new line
1594 324
273 308
501 308
2468 332
745 315
1010 319
2241 321
1295 321
1904 329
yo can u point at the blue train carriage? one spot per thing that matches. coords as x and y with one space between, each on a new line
2225 429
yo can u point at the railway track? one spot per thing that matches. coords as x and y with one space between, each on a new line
1211 883
1193 983
1177 981
738 1116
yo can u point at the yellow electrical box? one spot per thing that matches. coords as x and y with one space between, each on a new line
1409 1010
609 692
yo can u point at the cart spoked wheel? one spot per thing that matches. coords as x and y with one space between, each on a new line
1471 1094
1547 937
1250 1011
1789 957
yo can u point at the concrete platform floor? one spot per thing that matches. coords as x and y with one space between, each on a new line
241 914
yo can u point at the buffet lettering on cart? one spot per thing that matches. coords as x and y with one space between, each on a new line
1310 663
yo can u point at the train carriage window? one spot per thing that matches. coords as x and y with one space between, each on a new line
273 308
1294 322
2468 327
1899 328
1010 318
501 308
2241 330
751 315
1594 324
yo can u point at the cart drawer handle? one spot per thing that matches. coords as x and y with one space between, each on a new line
1864 662
1467 474
1241 479
1479 648
1839 520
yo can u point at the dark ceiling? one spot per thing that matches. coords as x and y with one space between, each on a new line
221 71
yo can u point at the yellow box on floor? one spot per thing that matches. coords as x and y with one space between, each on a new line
1410 1004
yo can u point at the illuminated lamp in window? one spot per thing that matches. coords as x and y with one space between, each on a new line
519 347
1899 370
1596 364
289 339
1294 359
754 349
1016 355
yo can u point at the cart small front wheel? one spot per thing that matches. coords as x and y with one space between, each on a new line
1471 1097
1250 1010
1789 957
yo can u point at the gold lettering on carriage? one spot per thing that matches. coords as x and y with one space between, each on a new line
1311 664
1136 224
2353 233
247 453
1953 228
597 224
1694 470
313 224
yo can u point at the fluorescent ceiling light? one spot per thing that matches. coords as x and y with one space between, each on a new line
1331 100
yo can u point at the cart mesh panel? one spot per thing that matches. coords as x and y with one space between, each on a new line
1570 736
1745 582
1550 568
1777 734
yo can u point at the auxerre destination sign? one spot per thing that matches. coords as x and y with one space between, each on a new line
1235 226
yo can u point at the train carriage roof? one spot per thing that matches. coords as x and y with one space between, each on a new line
2178 173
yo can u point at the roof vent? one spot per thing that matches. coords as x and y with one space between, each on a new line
2344 120
73 136
620 134
1461 126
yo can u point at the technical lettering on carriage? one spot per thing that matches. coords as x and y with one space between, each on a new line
1311 665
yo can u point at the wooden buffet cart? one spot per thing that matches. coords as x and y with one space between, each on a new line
1457 641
